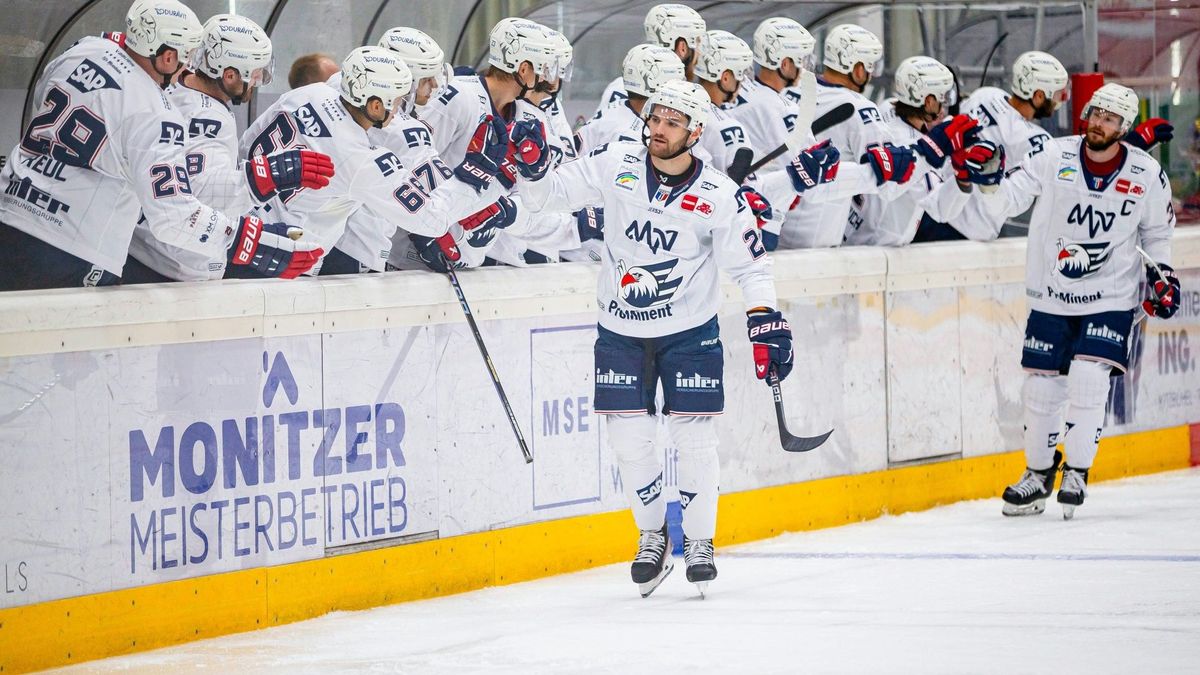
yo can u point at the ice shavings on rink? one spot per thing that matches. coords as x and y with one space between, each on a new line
959 589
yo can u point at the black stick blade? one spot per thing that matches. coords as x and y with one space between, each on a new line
801 443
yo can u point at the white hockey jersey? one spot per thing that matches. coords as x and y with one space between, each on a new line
876 221
217 179
613 94
662 246
364 173
1081 256
767 118
105 145
1001 124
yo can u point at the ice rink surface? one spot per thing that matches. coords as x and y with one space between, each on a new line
959 589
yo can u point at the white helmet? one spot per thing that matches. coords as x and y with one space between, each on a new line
565 53
688 98
375 72
721 51
781 38
1117 99
848 45
665 24
1038 70
648 67
153 24
514 41
421 53
232 41
921 76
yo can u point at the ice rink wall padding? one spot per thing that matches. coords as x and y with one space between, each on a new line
188 461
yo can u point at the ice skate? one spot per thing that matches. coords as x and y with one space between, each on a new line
698 554
1027 497
652 563
1073 490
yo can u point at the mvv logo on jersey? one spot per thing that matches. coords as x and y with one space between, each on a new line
1076 261
647 285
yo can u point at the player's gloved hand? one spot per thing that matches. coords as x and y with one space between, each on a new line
287 170
891 163
771 336
590 221
946 138
485 153
764 215
483 225
1150 133
816 165
531 153
981 164
272 249
440 254
1164 295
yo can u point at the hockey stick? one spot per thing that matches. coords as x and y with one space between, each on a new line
832 118
789 442
1157 269
512 418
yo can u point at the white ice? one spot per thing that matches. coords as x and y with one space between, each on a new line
959 589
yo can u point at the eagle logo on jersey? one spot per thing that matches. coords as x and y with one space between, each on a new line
647 285
1076 261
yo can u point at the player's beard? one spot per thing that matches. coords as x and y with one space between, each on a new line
1045 110
666 149
1097 140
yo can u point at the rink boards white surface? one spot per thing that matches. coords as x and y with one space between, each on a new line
910 355
957 589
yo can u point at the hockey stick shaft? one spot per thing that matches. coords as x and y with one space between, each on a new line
832 118
487 359
789 442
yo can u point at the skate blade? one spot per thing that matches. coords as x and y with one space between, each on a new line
1068 511
1024 510
702 586
647 588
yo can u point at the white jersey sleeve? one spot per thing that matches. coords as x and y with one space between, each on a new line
613 94
455 114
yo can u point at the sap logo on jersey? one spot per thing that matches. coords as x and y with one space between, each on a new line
647 285
652 491
696 204
88 76
1076 261
627 180
309 122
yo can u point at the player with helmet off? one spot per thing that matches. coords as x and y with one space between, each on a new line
676 27
1098 200
376 88
672 222
105 144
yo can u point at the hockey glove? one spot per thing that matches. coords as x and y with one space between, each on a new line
891 163
771 336
530 154
590 221
1150 133
816 165
439 255
287 170
485 153
272 249
983 164
947 138
1164 298
482 226
768 228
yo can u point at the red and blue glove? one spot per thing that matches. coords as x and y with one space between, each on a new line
1150 133
771 336
272 249
1164 298
287 170
530 152
590 222
946 138
483 225
440 254
891 163
816 165
768 229
485 154
981 164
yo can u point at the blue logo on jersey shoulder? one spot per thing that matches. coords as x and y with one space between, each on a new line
88 77
869 115
309 122
417 137
203 128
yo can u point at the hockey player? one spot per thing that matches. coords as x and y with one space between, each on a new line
106 143
374 90
1098 199
923 88
659 295
674 26
233 59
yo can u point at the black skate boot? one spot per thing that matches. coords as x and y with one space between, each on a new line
652 563
1073 490
1027 497
698 554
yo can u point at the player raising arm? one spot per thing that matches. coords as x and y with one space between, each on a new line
672 222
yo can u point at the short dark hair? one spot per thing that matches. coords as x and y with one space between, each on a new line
496 73
307 69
